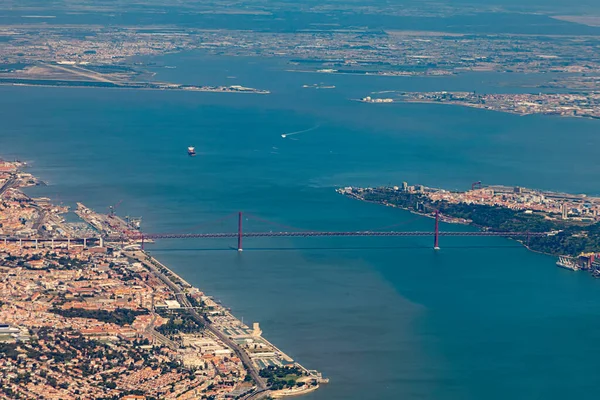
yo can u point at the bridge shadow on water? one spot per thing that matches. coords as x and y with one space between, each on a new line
359 248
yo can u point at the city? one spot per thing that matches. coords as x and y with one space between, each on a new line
108 321
585 105
572 222
321 199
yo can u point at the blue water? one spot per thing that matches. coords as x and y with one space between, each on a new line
383 318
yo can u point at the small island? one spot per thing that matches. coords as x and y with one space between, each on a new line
572 221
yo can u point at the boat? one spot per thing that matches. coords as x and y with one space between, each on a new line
567 263
191 151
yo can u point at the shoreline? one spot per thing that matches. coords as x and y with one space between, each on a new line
467 105
217 319
262 389
442 219
257 91
309 373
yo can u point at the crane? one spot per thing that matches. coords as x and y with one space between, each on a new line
476 185
113 208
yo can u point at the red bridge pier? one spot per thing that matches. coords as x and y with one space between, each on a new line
240 233
436 237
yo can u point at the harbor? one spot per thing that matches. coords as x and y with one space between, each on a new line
216 340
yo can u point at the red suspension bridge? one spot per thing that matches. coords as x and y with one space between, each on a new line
289 232
241 234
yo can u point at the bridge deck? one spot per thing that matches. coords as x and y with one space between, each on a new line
336 234
225 235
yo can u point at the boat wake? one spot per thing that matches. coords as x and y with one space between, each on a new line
299 132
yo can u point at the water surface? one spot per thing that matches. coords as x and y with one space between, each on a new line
384 318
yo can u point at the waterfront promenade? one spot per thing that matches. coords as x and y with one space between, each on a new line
222 331
152 264
134 296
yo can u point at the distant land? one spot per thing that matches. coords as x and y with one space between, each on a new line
588 20
572 221
99 76
583 104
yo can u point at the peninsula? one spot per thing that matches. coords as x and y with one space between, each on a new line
583 104
100 318
82 75
572 221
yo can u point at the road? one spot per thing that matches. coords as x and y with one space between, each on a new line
37 225
8 184
334 234
159 337
259 394
183 300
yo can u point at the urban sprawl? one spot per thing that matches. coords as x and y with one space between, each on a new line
568 224
101 319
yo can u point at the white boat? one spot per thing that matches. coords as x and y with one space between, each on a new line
191 151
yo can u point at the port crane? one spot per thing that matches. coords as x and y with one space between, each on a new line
113 208
476 185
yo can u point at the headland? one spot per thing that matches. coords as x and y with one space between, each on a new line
572 222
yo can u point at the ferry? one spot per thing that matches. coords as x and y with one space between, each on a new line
191 151
567 263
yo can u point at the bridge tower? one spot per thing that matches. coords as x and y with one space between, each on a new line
436 237
239 247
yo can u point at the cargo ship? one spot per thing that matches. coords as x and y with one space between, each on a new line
191 151
567 263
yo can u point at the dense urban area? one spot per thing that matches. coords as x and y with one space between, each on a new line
85 313
572 222
564 104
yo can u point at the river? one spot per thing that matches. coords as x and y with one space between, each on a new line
383 318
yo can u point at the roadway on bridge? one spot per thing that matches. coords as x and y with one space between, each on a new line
334 234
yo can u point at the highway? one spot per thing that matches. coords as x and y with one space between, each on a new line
258 394
8 184
183 300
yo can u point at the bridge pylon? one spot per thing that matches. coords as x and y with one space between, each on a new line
240 232
436 236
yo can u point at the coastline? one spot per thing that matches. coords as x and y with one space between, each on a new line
313 374
450 103
468 105
217 320
462 221
449 221
262 389
173 89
